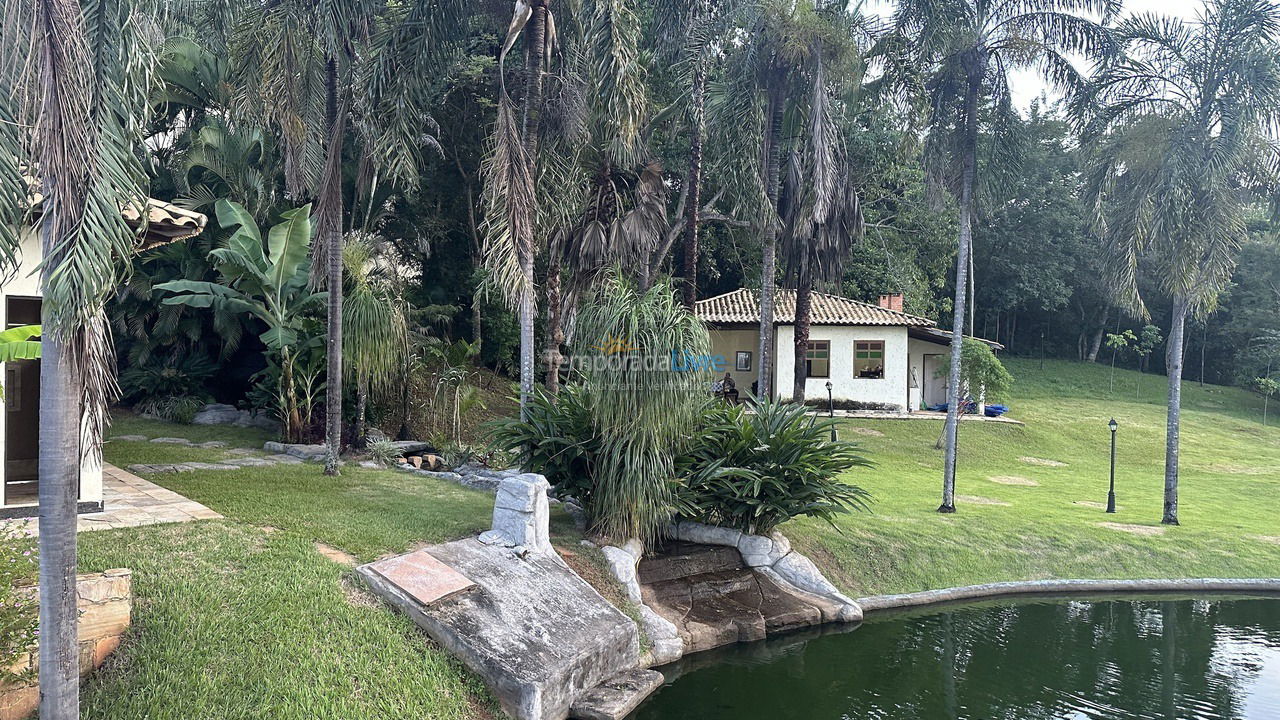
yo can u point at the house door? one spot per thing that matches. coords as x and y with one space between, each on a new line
934 388
22 411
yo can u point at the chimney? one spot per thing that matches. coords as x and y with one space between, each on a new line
891 301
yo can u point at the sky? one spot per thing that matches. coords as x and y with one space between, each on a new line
1026 85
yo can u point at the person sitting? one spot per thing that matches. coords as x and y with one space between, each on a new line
729 389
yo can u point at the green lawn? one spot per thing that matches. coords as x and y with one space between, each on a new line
242 618
1230 485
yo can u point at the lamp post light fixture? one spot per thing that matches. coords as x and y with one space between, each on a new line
831 411
1111 493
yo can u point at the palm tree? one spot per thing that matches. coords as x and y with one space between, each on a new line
971 46
313 70
376 327
73 100
508 172
1179 137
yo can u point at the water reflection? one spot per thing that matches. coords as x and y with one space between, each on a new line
1096 660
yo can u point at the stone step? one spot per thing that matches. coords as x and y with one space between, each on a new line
703 585
682 560
615 698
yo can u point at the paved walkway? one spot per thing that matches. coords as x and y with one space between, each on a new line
130 501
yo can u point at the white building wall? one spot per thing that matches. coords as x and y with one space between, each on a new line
890 391
26 283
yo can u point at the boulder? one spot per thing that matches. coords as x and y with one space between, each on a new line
412 447
216 414
433 462
171 441
416 461
623 566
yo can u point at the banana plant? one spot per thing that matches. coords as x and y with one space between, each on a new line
16 344
266 280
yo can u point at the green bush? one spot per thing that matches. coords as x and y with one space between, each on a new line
556 439
753 471
383 452
174 408
750 471
18 609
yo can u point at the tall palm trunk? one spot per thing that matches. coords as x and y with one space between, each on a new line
967 181
532 121
329 210
697 126
1173 361
804 306
360 437
64 130
769 263
61 383
555 326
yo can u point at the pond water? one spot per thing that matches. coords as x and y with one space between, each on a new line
1207 659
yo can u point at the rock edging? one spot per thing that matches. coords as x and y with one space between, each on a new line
878 603
770 555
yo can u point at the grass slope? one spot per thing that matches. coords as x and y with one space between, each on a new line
1230 487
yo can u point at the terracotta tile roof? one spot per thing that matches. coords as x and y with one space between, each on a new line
741 306
166 222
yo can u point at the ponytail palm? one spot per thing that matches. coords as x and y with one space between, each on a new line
1180 139
74 81
969 47
376 333
639 410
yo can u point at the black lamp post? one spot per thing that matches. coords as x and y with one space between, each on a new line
831 411
1111 493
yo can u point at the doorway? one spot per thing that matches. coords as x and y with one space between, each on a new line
22 412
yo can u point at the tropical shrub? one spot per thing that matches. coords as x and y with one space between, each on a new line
610 436
555 439
753 471
18 608
174 408
158 379
383 452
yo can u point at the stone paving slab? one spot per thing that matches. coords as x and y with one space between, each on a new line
130 501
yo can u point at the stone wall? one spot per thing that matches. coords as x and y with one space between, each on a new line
106 604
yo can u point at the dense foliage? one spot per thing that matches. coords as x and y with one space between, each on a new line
754 469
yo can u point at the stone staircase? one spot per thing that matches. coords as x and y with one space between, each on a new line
713 599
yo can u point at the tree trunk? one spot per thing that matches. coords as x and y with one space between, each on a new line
361 435
804 296
329 233
555 329
967 181
1173 359
477 260
697 124
532 122
1096 344
769 264
61 385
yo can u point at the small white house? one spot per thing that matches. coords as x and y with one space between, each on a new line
876 357
20 421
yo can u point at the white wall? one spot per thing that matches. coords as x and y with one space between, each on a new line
26 283
890 390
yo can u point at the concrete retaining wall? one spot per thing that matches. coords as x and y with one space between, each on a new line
106 606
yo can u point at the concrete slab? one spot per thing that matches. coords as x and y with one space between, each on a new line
538 634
